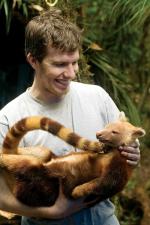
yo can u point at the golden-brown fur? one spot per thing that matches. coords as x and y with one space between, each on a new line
96 176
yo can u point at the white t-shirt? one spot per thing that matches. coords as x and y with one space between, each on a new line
85 108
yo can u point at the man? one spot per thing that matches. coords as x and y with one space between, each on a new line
52 49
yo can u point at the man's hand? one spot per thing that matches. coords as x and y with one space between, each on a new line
63 207
132 153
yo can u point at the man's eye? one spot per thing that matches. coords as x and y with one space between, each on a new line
60 65
74 63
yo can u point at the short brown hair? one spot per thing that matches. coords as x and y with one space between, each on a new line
51 28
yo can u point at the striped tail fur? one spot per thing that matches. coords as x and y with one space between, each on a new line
16 132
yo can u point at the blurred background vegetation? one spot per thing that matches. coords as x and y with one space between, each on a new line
116 55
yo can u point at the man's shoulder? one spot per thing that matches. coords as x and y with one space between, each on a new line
13 110
20 107
13 104
87 87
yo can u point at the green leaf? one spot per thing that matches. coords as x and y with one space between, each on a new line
2 3
6 8
25 9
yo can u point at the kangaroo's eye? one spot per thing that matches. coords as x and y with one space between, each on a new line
115 132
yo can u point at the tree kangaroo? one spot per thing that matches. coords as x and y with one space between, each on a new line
96 173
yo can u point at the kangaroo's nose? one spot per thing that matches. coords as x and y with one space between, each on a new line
98 135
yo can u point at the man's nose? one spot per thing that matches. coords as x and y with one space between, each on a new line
71 71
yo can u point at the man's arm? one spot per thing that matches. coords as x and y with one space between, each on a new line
62 208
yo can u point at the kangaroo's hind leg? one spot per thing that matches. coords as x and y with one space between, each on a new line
43 153
86 189
16 162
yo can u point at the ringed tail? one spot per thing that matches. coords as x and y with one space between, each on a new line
20 128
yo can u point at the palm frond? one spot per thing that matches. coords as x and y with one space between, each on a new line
116 83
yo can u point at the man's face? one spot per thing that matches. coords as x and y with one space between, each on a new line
54 74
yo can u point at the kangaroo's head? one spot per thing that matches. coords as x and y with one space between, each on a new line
120 133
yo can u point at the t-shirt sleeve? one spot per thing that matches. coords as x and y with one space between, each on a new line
107 106
112 111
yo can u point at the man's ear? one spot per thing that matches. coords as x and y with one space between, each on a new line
31 60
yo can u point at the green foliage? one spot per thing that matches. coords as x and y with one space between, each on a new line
129 210
6 5
22 6
148 188
120 28
115 83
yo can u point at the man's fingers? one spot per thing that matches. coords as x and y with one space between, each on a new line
131 156
131 153
132 150
131 163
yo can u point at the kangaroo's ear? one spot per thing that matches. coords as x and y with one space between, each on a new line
139 132
122 117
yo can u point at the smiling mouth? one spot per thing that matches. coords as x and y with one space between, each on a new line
62 84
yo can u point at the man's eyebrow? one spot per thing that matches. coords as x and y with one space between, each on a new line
57 62
64 61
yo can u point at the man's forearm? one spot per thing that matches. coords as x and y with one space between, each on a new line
62 208
10 204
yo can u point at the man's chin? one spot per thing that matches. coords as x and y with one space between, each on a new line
61 92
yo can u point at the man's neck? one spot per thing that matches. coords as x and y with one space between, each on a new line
44 96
